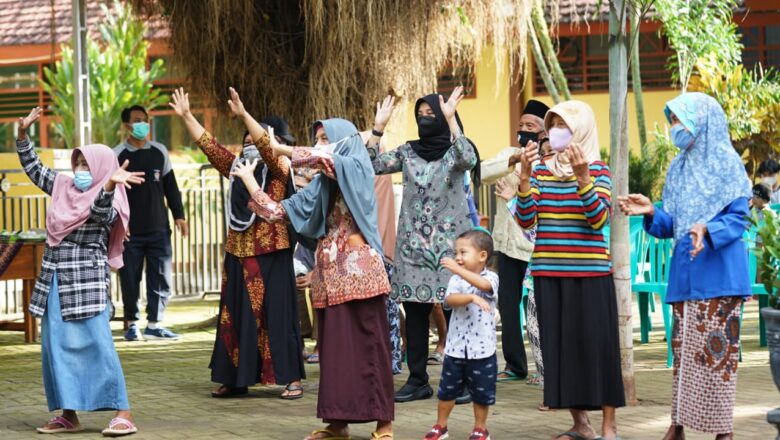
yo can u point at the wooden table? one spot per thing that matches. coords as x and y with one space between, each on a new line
25 266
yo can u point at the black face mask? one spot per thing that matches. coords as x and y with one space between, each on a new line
523 137
426 126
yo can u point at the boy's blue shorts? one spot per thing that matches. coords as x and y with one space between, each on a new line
478 374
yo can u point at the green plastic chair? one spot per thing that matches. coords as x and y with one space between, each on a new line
653 258
756 288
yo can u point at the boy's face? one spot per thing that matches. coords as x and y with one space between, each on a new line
468 256
758 202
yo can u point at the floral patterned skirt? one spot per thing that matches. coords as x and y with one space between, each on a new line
705 343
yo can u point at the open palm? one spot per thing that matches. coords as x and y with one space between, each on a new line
235 104
180 102
636 204
448 108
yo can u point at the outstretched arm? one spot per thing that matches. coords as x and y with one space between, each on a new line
41 175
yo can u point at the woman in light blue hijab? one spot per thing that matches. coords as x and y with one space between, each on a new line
349 282
705 210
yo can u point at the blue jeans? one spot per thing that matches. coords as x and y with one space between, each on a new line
155 248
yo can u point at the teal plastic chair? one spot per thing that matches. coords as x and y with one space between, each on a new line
756 288
650 276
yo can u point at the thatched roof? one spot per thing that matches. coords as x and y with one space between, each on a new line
310 59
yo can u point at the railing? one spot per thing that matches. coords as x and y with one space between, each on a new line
197 259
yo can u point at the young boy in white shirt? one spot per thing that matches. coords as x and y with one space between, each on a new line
470 353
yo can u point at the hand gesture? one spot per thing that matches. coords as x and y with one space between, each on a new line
275 145
180 102
26 122
479 301
505 190
530 155
123 177
235 104
448 108
636 204
182 226
579 163
698 232
450 264
245 171
384 110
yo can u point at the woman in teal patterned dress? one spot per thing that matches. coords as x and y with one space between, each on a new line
434 212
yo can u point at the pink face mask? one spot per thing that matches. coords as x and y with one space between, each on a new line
559 138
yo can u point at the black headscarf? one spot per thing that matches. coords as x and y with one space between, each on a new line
435 141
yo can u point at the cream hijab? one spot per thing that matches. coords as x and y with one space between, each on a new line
582 123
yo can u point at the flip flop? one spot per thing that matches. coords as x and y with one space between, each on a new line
111 431
66 426
313 358
378 436
511 375
330 435
292 388
573 435
436 358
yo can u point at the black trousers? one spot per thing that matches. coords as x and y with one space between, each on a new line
510 290
155 248
417 315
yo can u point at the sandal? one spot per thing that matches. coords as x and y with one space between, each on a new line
225 391
508 376
378 436
436 358
112 431
329 435
535 379
543 408
313 358
292 389
65 426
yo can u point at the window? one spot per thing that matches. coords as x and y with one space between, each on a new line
761 45
450 78
584 60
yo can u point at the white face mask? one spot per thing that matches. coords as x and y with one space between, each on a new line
771 180
330 148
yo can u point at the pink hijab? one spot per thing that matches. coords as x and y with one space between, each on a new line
70 207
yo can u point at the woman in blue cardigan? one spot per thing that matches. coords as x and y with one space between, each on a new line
705 209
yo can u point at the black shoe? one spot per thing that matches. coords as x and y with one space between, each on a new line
465 397
408 393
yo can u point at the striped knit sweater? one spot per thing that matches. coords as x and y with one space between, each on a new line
568 221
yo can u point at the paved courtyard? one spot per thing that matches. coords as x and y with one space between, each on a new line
168 384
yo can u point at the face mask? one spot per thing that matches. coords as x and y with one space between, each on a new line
523 137
140 130
681 137
426 126
331 148
771 180
82 180
250 153
560 138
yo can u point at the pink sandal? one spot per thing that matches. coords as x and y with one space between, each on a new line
66 426
111 431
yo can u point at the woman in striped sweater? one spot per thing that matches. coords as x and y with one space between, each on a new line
567 198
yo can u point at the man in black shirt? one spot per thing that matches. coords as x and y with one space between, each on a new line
150 232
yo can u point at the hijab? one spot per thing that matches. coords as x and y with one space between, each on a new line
707 176
579 117
70 207
436 140
307 209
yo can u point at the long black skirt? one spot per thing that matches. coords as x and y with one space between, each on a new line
258 333
578 329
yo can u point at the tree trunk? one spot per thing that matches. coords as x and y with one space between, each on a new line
636 82
618 139
540 25
541 64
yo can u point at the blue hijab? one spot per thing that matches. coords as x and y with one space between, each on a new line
308 208
707 176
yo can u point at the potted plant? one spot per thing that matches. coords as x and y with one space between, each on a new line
768 259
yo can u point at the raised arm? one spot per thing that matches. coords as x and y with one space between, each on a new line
41 175
279 166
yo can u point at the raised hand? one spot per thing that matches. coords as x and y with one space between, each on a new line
579 163
448 108
123 177
235 104
384 110
450 264
180 102
636 204
26 122
244 171
505 190
530 155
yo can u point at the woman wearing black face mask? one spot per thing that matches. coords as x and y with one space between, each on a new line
258 335
434 212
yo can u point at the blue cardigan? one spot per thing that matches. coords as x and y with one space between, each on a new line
721 269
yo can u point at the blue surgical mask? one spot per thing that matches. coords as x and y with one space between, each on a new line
82 180
140 130
681 137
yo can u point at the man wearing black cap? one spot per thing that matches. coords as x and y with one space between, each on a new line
511 244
